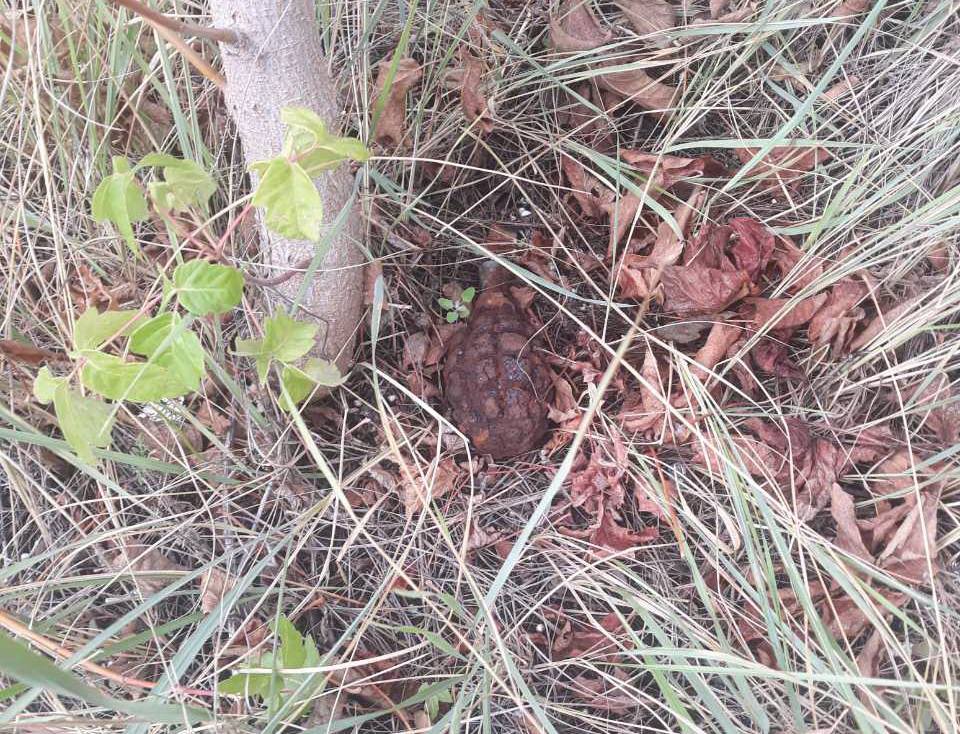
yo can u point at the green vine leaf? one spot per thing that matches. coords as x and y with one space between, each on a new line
299 383
86 423
204 288
167 342
93 328
291 203
293 651
119 199
316 150
184 184
138 382
284 339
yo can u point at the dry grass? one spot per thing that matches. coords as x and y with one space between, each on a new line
274 502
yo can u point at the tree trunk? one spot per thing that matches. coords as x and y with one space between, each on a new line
278 62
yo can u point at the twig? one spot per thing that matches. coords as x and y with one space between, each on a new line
283 277
192 56
169 29
221 35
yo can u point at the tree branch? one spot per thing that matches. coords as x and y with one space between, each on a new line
221 35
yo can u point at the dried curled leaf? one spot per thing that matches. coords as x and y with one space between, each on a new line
637 86
577 28
786 313
440 480
474 104
697 291
142 561
834 323
650 18
587 190
390 126
783 165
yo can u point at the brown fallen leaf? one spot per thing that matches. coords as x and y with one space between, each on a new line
440 480
840 88
813 464
722 336
391 125
783 165
563 406
884 321
939 407
698 291
474 104
650 18
796 270
575 639
589 193
752 248
214 584
602 693
836 320
939 257
640 274
911 554
718 8
415 349
786 313
208 415
772 357
848 7
666 170
577 28
848 537
140 561
645 408
596 490
480 538
28 354
635 85
623 216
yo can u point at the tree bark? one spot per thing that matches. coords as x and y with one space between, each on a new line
278 62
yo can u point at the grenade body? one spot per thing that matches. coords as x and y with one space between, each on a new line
496 383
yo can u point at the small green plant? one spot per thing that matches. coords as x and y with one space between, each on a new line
146 356
157 357
279 679
433 699
459 308
286 340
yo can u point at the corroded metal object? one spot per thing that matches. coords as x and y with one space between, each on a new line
496 382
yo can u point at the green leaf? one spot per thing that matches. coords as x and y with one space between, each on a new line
468 294
168 343
86 423
248 684
19 662
138 382
119 199
453 317
185 183
291 203
205 288
284 339
291 648
45 385
445 303
299 383
93 328
315 148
